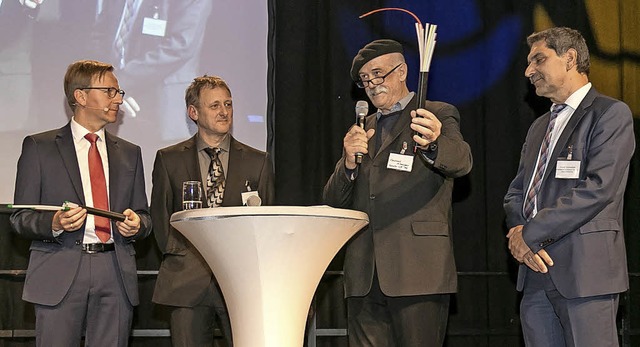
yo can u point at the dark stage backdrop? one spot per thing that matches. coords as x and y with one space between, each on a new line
478 66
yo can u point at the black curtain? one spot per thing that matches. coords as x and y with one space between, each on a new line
478 66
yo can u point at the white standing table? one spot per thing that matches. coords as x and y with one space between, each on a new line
268 261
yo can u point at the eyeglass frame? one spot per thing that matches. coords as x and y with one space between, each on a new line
108 91
361 83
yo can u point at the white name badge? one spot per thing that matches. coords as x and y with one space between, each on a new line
400 162
154 27
568 169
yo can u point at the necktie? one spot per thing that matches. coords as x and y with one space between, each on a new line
98 189
125 28
215 178
536 182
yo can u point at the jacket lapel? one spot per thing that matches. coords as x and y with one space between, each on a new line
115 156
575 119
67 150
235 183
533 148
371 122
191 163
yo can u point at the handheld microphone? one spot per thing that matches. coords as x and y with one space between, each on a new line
362 108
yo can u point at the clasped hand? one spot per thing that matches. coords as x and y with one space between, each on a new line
522 253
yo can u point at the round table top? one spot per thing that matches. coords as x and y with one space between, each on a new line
243 211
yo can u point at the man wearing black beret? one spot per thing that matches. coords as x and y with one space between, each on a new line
400 270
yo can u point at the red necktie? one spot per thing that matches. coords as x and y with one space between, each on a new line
98 189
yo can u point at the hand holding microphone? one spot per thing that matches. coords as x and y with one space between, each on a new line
362 108
356 140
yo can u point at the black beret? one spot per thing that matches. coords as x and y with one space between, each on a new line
373 50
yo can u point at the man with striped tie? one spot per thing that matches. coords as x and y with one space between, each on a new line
564 207
227 168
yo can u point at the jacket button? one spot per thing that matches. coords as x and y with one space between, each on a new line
372 197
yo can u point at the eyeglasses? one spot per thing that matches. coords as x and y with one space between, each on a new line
111 91
376 81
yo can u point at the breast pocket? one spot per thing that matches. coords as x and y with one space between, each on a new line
430 229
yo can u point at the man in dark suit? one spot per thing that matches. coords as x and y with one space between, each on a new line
564 207
185 281
154 45
82 271
164 36
400 270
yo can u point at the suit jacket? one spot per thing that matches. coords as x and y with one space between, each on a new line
48 174
408 240
579 221
178 51
184 277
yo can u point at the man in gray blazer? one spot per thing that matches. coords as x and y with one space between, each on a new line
185 281
82 281
400 270
564 207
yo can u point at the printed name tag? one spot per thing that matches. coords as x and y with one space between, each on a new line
568 169
154 27
400 162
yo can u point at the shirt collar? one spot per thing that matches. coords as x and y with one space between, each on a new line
398 106
224 145
78 131
576 98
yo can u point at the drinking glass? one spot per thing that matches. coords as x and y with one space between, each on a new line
191 195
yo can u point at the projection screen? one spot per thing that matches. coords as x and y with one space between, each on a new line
167 44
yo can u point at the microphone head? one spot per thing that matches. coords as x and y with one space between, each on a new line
362 108
254 200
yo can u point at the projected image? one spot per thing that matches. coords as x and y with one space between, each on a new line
156 46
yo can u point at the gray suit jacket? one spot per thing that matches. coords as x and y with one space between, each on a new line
48 174
184 277
579 221
408 239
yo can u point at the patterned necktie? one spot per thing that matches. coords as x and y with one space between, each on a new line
125 29
98 189
215 178
536 182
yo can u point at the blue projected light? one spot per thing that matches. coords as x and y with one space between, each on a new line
468 58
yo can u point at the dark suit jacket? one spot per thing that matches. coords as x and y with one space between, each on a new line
48 174
178 52
579 221
408 239
184 277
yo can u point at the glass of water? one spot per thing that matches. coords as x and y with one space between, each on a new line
191 195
